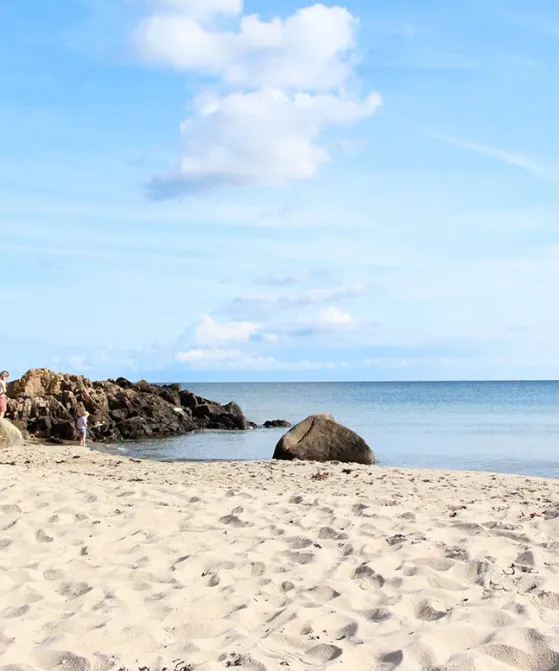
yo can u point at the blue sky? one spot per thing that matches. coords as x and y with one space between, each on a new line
218 191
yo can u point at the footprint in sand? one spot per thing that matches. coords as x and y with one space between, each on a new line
548 600
323 593
10 509
43 537
393 660
14 611
73 590
234 521
300 557
327 533
427 613
325 652
347 632
366 573
378 614
300 542
258 569
61 659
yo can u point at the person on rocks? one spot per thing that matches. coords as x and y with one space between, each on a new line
81 425
4 375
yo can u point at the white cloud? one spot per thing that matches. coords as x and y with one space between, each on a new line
334 317
288 86
234 359
210 332
309 50
262 138
262 304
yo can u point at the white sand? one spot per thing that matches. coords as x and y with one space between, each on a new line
108 563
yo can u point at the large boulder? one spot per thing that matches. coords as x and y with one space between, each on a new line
48 404
321 438
10 436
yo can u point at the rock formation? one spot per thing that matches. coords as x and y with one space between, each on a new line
46 404
10 435
321 438
277 424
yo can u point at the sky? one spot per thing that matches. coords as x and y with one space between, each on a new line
224 190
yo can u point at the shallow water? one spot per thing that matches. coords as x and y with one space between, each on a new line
509 427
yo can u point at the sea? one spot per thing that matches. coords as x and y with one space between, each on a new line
505 427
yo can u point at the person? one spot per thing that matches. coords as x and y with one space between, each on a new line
4 375
82 426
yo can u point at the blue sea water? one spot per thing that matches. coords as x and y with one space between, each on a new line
507 427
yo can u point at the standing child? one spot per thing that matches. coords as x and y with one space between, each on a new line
4 375
82 426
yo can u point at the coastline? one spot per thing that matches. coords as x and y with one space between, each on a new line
111 562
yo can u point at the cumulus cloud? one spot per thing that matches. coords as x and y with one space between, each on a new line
328 321
310 50
287 84
266 137
210 332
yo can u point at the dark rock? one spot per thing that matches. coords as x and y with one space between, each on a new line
168 392
321 438
123 382
277 424
47 404
214 416
191 401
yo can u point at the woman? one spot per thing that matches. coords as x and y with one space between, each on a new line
4 375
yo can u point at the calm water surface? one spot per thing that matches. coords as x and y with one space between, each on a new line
509 427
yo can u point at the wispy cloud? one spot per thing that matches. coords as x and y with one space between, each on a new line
515 159
260 305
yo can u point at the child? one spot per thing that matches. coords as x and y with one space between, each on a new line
4 375
81 425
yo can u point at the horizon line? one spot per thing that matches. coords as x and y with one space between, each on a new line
356 381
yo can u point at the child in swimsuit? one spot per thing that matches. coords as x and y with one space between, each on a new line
81 425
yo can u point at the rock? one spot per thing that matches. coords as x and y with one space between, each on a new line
10 436
214 416
168 392
277 424
48 405
321 438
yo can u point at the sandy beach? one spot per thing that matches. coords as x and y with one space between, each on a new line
111 563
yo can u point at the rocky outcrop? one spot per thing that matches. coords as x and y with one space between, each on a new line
277 424
211 415
47 405
10 436
321 438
